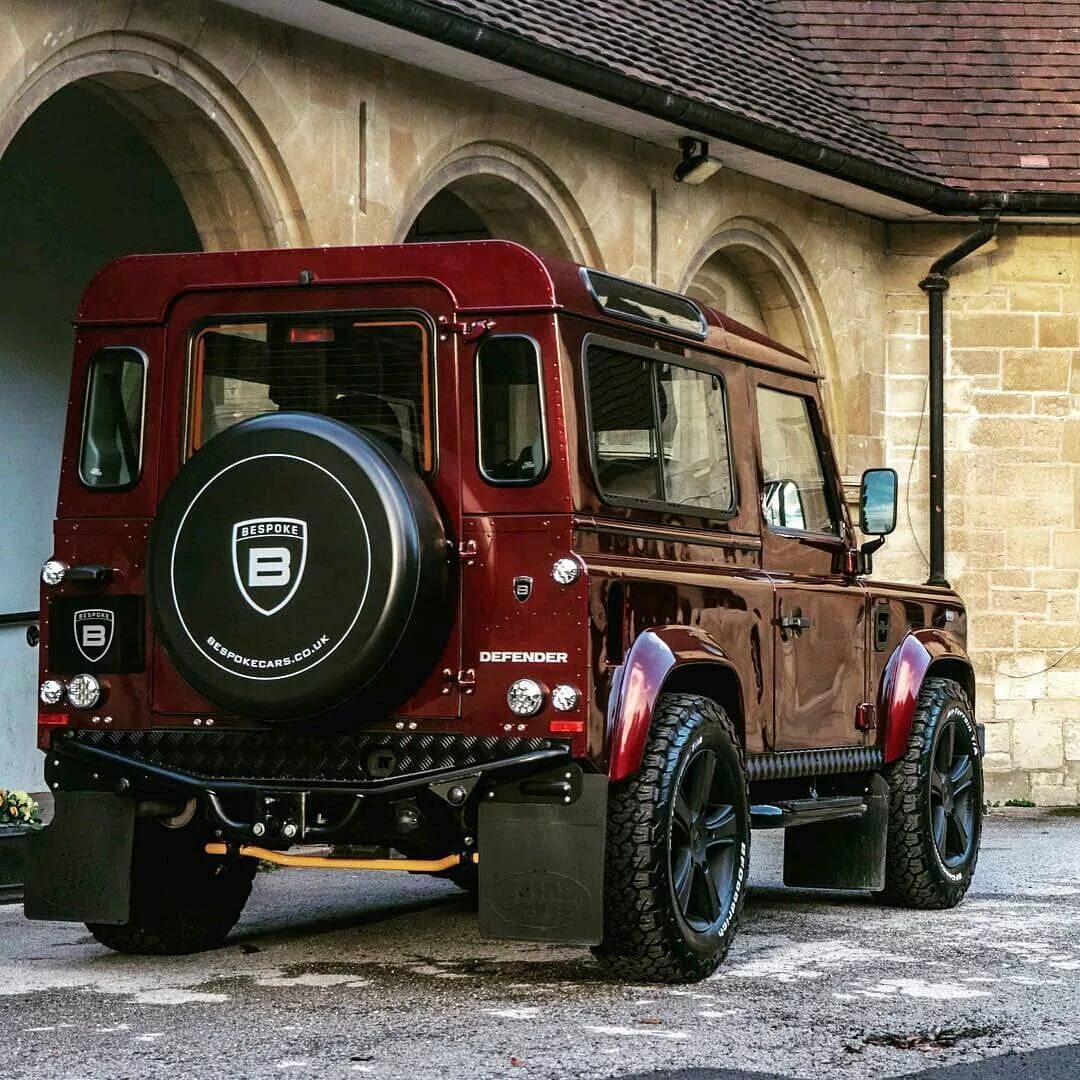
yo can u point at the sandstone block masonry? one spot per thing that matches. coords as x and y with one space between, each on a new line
1012 481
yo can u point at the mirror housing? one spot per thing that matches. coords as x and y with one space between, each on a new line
877 502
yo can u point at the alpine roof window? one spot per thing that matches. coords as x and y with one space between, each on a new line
659 431
112 437
510 421
632 300
372 373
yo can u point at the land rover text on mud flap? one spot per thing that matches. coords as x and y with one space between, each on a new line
456 559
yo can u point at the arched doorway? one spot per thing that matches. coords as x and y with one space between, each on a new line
79 185
484 207
491 191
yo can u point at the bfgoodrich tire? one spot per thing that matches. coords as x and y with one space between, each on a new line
182 900
678 848
935 803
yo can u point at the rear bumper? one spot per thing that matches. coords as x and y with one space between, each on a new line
272 795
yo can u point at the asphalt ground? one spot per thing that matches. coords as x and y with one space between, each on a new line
339 975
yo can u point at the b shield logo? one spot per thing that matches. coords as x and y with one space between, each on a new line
93 633
268 558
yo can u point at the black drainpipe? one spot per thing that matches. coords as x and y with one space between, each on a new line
935 285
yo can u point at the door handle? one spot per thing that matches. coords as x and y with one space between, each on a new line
794 624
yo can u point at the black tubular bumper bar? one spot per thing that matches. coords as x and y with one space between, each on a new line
393 785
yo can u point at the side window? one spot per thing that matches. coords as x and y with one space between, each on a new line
696 459
659 431
509 413
794 495
623 413
111 454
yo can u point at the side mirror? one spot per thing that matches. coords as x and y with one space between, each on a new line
877 502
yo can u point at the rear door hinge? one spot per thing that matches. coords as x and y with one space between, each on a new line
472 329
466 680
467 551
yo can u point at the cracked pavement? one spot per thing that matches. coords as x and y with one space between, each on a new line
385 975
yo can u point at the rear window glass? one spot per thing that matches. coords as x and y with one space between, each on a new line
511 427
374 374
659 430
111 454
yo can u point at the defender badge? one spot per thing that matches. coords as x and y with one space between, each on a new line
93 633
522 588
268 559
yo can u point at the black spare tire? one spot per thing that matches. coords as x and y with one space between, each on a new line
295 564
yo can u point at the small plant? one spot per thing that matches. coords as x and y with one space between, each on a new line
18 808
1019 802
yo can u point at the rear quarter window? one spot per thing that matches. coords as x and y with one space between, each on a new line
110 456
510 419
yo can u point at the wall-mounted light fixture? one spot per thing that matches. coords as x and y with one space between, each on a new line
696 166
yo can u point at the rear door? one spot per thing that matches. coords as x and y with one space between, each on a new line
369 356
819 623
96 620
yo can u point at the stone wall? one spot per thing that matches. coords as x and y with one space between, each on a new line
1012 481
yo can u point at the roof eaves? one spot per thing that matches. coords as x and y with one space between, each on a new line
577 73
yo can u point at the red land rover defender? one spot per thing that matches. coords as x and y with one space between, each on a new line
456 559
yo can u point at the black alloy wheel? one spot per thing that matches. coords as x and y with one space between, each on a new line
952 779
678 848
703 836
935 802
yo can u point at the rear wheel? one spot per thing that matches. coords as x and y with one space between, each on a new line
182 900
935 803
678 848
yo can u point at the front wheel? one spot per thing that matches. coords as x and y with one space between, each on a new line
678 848
182 900
935 803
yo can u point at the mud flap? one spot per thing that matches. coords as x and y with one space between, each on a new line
542 867
78 869
844 854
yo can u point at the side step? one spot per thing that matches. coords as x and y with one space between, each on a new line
791 812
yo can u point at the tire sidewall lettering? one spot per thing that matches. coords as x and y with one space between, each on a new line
953 711
686 756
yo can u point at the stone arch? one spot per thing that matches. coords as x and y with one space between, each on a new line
510 195
224 162
749 270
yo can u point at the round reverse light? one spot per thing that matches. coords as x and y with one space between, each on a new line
564 698
566 570
84 691
51 692
525 697
53 571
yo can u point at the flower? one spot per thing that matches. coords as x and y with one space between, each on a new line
18 808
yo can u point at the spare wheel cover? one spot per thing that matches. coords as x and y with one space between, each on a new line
294 563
